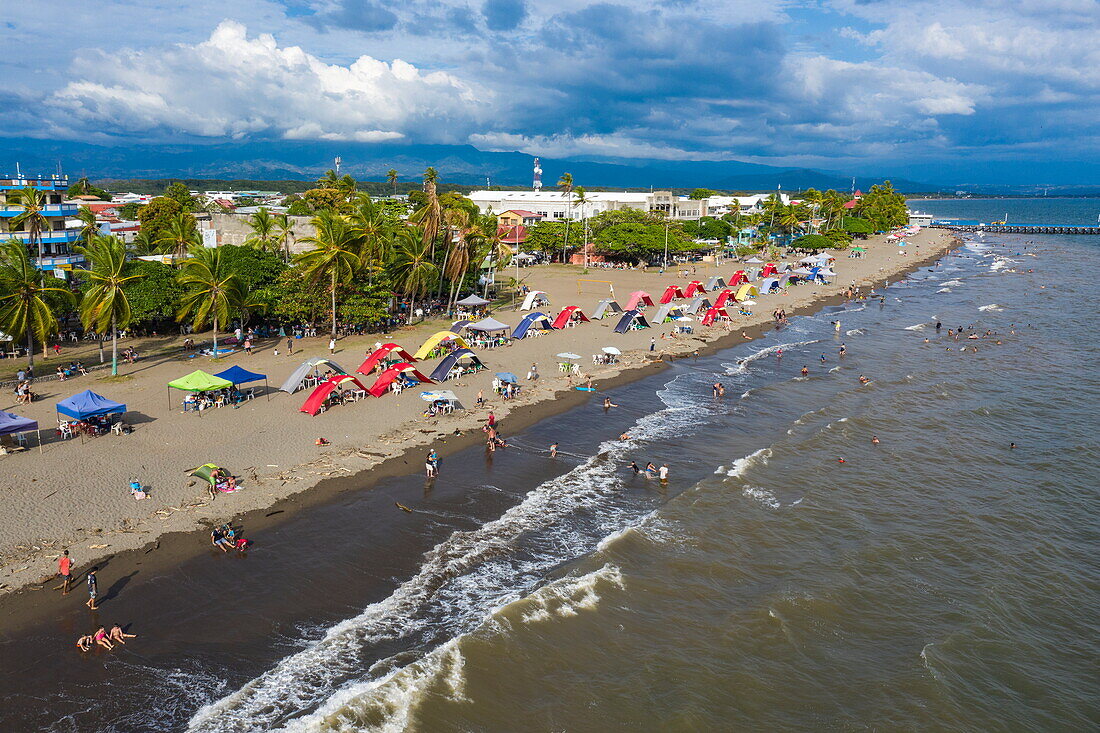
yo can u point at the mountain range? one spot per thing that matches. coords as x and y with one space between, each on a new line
461 164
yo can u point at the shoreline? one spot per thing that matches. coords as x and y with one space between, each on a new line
26 604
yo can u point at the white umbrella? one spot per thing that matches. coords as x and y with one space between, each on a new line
754 261
567 355
611 350
747 302
685 318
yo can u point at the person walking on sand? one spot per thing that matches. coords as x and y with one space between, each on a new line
65 570
332 345
92 588
652 344
553 450
290 344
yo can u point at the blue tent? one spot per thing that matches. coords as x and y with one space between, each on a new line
445 366
240 375
508 377
628 318
88 404
10 423
528 321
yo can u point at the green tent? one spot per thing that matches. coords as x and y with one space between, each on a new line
197 381
204 472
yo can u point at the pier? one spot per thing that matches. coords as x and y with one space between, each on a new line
968 226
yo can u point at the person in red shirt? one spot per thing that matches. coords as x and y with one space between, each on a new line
65 570
492 419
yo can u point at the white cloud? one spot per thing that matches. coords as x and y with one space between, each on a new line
231 85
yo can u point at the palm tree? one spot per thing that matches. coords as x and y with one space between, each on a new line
344 184
89 227
368 223
33 202
265 234
581 199
105 303
412 266
179 236
565 185
24 310
391 178
337 254
498 252
430 215
284 232
84 184
213 292
144 244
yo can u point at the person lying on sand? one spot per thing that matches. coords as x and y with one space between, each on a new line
119 636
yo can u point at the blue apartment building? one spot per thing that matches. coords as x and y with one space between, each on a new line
62 231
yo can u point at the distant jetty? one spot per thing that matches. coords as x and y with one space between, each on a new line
974 226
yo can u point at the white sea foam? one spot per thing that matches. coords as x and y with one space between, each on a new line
743 366
762 495
990 307
855 332
944 290
952 283
759 457
917 327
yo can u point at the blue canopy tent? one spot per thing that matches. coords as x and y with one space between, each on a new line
89 404
240 375
528 322
13 424
508 377
628 319
444 369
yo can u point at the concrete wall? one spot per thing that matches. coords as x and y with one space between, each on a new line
234 229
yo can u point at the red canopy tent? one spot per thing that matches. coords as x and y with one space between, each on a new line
694 287
566 314
769 269
714 314
376 358
723 296
386 378
738 278
672 292
313 403
637 298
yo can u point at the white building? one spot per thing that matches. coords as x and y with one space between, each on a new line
748 203
917 218
556 206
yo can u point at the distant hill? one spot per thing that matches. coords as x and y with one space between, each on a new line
460 164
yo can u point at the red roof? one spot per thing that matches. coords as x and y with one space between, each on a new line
513 235
851 204
523 214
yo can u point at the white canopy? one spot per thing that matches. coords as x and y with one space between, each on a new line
533 297
473 300
567 355
487 325
614 351
754 261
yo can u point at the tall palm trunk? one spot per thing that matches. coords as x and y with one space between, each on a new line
334 304
412 307
30 350
215 356
99 338
114 347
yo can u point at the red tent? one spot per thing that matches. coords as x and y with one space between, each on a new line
694 287
738 278
566 314
638 297
769 269
383 382
714 314
313 403
376 358
723 296
672 292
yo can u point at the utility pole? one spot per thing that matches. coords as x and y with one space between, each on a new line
666 245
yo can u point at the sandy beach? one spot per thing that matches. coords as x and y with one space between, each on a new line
75 495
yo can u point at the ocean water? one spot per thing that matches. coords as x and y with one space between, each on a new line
939 580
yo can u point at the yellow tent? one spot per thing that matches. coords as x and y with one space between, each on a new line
746 291
434 341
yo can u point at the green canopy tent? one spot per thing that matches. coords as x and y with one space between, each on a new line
197 381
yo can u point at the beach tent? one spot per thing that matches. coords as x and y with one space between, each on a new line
672 292
722 298
668 311
294 381
473 301
508 377
769 285
637 298
784 279
205 472
714 314
88 404
537 320
697 305
752 273
197 381
715 283
380 355
802 272
606 306
769 269
443 371
784 267
534 299
738 278
754 261
435 339
14 425
240 375
694 287
746 291
488 325
567 315
397 370
313 403
442 395
457 326
629 318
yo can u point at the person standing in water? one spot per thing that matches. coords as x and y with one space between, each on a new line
92 589
65 570
554 450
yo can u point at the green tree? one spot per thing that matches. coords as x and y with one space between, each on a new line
179 236
702 193
412 268
565 185
182 195
31 217
104 304
155 294
429 217
143 244
129 212
297 297
284 233
316 200
883 207
640 241
89 226
813 242
391 178
265 231
336 256
369 222
157 214
858 228
344 185
25 295
213 294
548 237
84 187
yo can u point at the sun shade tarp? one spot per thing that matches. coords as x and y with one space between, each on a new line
294 381
532 297
88 404
567 314
638 297
694 288
200 381
435 340
206 471
697 305
672 292
10 423
536 320
313 403
607 306
440 372
473 300
240 375
372 361
714 314
508 377
715 283
746 291
628 318
386 378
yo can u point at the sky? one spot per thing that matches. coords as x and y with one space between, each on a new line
909 86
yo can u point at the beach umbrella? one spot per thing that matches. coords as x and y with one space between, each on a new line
508 377
754 261
747 302
614 351
567 355
685 318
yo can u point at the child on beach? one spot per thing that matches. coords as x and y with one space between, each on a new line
119 636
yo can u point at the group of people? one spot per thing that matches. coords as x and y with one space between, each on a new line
23 393
227 537
651 470
74 368
103 638
214 398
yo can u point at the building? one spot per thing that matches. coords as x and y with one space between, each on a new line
751 203
62 228
556 206
916 218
